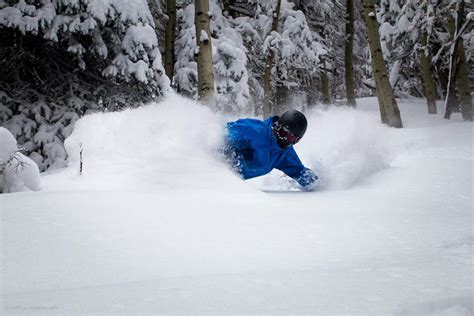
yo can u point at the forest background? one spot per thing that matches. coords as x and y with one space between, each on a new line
62 59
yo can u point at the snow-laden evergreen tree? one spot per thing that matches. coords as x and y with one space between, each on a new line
251 31
297 49
325 19
63 58
185 68
408 37
230 69
415 39
296 52
399 31
364 81
228 57
120 32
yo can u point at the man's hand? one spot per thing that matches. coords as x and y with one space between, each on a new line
308 180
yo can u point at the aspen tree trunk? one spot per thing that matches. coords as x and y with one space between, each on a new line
282 95
312 94
268 65
462 75
383 87
430 88
462 83
451 102
383 114
266 85
204 56
348 61
458 72
443 79
326 97
170 38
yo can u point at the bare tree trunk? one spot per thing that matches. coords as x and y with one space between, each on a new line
311 94
430 88
348 61
443 79
326 97
170 38
204 57
462 83
268 65
266 85
458 73
451 102
282 95
462 76
384 90
383 114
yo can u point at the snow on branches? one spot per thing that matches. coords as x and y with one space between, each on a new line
65 58
120 31
228 57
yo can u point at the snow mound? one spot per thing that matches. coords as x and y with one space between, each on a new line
168 252
17 172
175 144
172 144
8 145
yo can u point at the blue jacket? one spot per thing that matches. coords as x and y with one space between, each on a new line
255 151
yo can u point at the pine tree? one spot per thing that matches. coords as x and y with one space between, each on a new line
185 69
325 19
63 59
230 65
229 60
296 55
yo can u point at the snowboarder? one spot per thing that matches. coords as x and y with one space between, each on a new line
255 147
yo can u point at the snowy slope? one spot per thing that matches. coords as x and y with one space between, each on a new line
158 223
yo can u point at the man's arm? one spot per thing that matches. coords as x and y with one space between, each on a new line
238 141
294 168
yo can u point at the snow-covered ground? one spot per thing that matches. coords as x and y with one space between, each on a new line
157 223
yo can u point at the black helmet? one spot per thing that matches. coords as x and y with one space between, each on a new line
290 128
294 121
